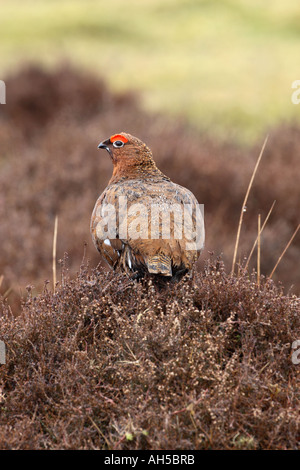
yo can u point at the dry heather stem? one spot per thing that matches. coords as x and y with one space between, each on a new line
258 249
244 205
261 231
54 253
282 254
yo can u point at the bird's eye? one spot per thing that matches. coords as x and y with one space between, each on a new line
118 143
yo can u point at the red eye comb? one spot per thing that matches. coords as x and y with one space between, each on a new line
118 137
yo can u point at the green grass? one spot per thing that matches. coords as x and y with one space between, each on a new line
225 65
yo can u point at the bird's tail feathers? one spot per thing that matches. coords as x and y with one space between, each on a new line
159 264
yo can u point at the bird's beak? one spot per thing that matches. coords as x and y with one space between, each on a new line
104 145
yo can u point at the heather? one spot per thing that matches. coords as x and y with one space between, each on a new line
201 364
101 361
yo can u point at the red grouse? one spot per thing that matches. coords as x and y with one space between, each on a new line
143 222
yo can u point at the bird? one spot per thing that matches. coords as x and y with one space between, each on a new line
137 223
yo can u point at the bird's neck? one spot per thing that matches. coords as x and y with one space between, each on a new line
135 170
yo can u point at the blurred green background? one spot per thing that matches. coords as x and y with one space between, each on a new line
227 66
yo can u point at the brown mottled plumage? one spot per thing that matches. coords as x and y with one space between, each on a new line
137 178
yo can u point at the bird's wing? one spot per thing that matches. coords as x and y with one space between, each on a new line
143 237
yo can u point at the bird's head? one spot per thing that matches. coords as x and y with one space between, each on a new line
130 156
